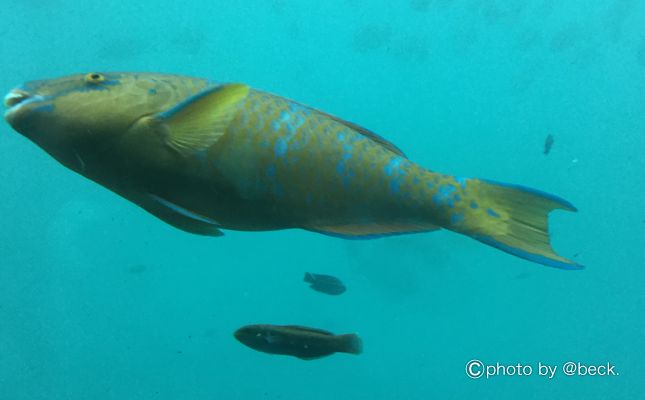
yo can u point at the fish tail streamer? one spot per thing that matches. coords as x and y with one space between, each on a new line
511 218
350 343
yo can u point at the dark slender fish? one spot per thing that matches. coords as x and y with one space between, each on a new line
548 143
298 341
325 283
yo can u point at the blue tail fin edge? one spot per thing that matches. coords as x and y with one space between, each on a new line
526 255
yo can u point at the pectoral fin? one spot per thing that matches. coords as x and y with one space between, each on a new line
199 121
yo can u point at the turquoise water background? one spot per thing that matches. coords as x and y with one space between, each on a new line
99 300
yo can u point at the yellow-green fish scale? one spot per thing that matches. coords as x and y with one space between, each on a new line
313 169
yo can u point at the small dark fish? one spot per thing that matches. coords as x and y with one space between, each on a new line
298 341
548 143
137 269
325 283
522 275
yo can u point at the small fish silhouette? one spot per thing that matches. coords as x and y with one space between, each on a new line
298 341
325 283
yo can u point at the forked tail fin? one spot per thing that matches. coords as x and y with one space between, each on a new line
513 219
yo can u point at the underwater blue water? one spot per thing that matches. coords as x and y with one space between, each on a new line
99 300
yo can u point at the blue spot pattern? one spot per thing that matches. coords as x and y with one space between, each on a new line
456 218
341 168
291 120
395 169
393 166
395 186
281 147
443 196
463 182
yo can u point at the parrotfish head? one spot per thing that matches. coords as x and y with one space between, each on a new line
69 115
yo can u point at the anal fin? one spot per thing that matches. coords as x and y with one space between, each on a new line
372 230
309 358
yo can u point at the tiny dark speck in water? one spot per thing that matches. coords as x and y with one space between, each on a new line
420 5
371 37
640 55
137 269
548 143
522 275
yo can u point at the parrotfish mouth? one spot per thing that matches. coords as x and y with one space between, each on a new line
16 100
14 97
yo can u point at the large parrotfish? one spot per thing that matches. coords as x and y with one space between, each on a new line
203 155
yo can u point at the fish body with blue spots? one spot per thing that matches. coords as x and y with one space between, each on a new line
205 156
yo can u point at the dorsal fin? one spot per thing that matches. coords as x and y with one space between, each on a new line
363 131
366 132
308 329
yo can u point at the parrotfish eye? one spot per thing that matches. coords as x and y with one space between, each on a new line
94 77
